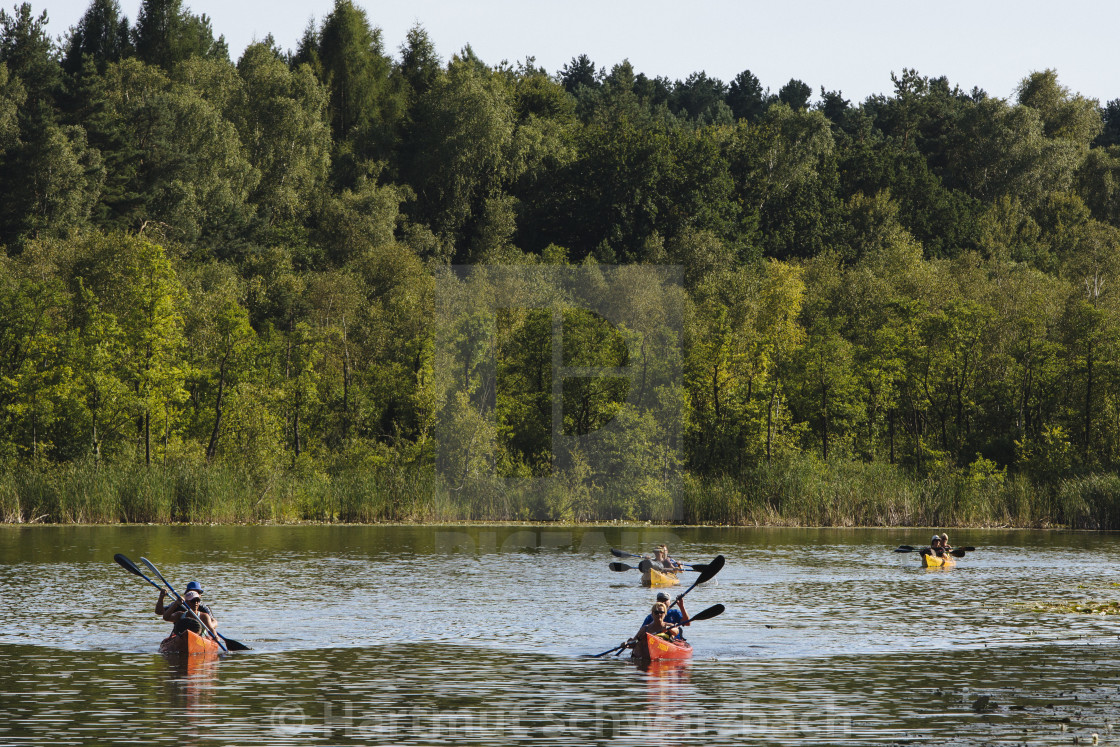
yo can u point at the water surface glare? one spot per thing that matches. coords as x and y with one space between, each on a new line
474 635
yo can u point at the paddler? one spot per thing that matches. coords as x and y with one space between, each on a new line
186 621
672 616
945 546
661 555
166 611
658 626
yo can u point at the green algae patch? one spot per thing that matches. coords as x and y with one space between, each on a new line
1079 608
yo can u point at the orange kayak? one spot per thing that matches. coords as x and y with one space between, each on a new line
659 648
189 642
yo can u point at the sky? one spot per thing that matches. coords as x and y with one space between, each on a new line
848 45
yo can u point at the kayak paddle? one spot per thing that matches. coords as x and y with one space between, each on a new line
709 572
958 552
233 645
129 566
621 554
714 611
616 566
911 548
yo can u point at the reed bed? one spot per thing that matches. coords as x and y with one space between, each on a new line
796 492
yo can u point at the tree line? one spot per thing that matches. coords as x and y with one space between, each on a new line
215 261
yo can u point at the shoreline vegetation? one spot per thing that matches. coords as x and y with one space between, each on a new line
343 283
801 492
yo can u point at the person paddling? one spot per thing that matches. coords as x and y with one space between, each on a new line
185 621
661 555
672 616
657 627
946 548
166 611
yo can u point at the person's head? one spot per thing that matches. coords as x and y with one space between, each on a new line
192 598
944 538
663 598
658 610
935 541
194 586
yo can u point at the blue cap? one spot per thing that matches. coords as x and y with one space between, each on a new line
194 586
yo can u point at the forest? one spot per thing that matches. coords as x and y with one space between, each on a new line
218 285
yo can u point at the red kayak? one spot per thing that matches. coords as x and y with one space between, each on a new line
659 648
189 642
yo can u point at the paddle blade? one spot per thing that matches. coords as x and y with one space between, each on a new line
967 549
233 645
621 554
127 564
905 549
149 563
645 565
713 568
958 553
713 611
609 651
620 567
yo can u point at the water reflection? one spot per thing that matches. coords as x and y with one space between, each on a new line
190 683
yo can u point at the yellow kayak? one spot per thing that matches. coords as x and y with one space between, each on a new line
653 577
932 561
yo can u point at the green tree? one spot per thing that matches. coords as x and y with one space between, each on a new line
101 36
281 122
795 94
61 183
35 370
221 351
188 170
747 98
364 107
420 64
464 129
167 33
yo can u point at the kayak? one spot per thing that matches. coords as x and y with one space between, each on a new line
659 648
932 561
654 577
189 642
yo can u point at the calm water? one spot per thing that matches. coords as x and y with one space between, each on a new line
452 635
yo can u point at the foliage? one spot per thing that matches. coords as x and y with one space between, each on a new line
220 277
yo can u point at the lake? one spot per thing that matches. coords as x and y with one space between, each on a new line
479 635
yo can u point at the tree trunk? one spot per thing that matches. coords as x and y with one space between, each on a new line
1088 402
212 447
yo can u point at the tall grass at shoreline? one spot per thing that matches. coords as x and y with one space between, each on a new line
805 492
798 492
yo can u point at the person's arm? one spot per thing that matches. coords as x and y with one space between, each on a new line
160 609
171 612
684 612
209 622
